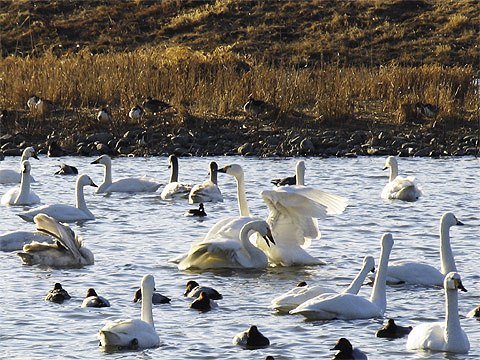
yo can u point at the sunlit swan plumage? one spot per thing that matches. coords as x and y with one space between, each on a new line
175 189
66 213
424 274
21 195
225 252
449 335
399 187
136 333
15 240
68 250
207 191
14 176
94 300
142 184
349 306
300 294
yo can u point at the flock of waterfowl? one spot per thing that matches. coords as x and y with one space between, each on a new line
243 242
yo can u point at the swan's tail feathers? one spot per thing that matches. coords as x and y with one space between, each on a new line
26 258
408 193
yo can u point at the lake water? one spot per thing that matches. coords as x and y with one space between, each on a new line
137 234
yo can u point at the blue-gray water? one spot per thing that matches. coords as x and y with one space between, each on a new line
137 234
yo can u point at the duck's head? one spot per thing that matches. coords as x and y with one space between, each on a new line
191 284
91 292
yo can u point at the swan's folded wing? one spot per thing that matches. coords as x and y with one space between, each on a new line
212 254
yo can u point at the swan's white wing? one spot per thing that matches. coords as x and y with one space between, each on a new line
59 212
297 296
175 190
10 196
427 336
8 176
134 185
402 188
121 333
205 192
15 240
414 273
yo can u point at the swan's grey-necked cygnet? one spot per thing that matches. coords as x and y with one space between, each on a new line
135 333
67 251
203 302
443 336
142 184
251 338
193 290
157 298
393 331
58 294
175 189
347 351
207 191
21 195
303 292
197 212
399 187
66 213
14 176
349 306
93 300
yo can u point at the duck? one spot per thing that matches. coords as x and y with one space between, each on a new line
303 292
135 112
21 195
133 334
157 298
154 106
208 191
175 189
203 302
398 187
123 185
32 102
443 336
66 213
427 110
474 313
193 289
44 106
15 240
93 300
254 107
349 306
67 170
393 331
223 252
8 176
67 251
58 294
197 212
347 351
410 272
104 115
289 180
251 338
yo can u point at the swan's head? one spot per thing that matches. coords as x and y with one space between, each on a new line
301 166
172 161
148 283
343 345
391 162
369 263
30 152
84 180
453 281
91 292
448 219
387 241
264 230
26 167
104 160
233 170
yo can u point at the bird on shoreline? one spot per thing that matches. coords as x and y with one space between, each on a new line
136 112
154 106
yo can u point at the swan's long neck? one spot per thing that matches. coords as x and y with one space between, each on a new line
24 191
241 195
300 173
147 314
174 173
107 178
446 255
80 198
244 239
213 175
393 171
379 296
357 283
452 322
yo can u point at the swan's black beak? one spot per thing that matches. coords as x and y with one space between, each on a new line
459 222
385 168
96 161
459 285
269 238
224 169
93 184
373 269
34 155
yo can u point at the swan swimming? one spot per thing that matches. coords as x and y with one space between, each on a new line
68 250
142 184
175 189
21 195
349 306
423 274
15 240
449 335
66 213
399 187
224 252
300 294
137 333
207 191
13 176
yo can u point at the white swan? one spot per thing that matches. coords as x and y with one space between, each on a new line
207 191
399 187
13 176
224 252
142 184
21 195
423 274
449 335
293 216
300 294
350 306
15 240
175 189
68 250
137 333
66 213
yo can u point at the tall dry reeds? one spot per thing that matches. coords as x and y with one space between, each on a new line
217 84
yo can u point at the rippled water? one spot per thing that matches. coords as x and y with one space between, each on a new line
137 234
